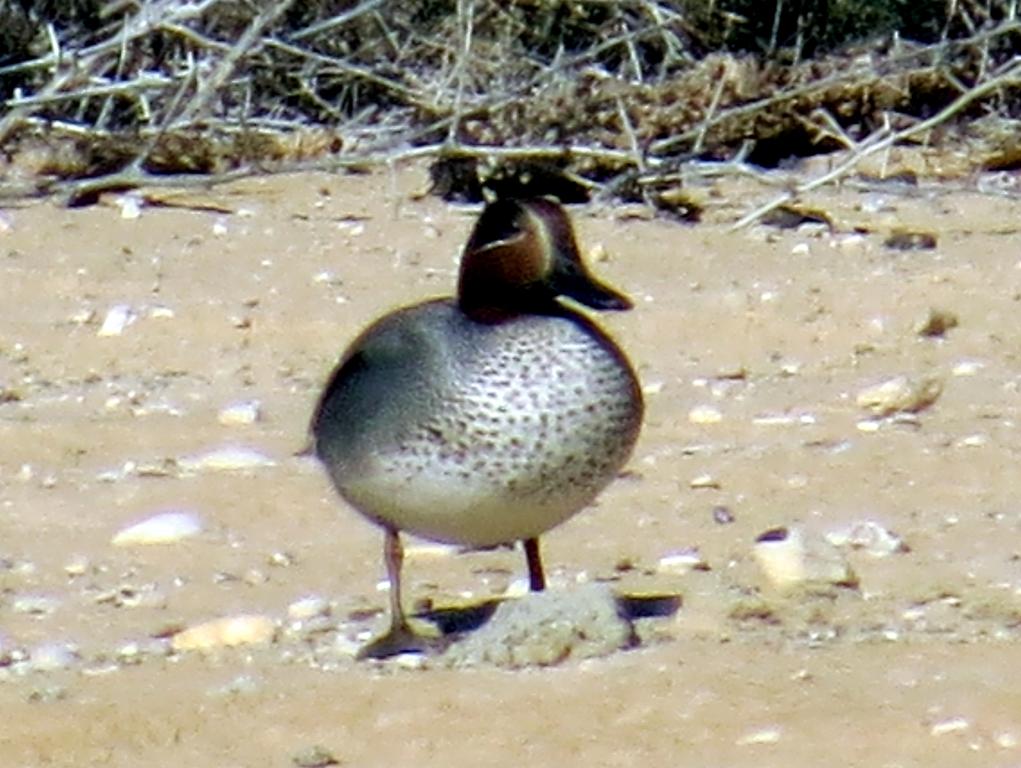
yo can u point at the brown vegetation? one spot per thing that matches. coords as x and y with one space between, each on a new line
614 99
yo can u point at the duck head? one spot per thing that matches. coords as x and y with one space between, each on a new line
520 258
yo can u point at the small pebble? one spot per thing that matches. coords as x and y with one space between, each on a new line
767 735
789 557
130 653
52 656
163 528
255 576
346 646
518 587
409 660
227 632
328 277
241 685
682 562
83 316
775 420
352 226
77 566
875 203
967 368
308 608
1006 740
850 242
950 725
972 441
226 459
35 605
240 414
281 559
904 240
101 666
900 395
47 694
131 596
868 536
705 414
429 551
704 481
314 757
161 313
722 515
936 323
17 566
130 205
118 317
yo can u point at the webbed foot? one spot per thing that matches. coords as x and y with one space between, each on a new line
400 639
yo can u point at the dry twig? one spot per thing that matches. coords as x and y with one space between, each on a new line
884 140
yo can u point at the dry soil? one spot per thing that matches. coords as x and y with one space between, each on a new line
251 291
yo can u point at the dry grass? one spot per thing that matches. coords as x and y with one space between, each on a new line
610 99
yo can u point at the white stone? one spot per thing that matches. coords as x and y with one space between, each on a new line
161 313
241 413
118 317
949 725
1006 740
899 394
226 632
130 205
78 565
704 481
973 441
681 562
705 414
163 528
428 550
768 735
790 556
518 587
37 605
225 459
850 242
308 608
868 536
967 368
52 656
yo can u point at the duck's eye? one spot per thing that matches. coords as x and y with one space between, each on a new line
504 230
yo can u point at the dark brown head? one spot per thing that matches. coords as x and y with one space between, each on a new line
520 258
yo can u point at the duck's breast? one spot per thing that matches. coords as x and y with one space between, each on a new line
478 433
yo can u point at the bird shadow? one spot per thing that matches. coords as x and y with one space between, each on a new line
455 621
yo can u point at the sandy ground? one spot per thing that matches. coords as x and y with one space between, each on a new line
777 330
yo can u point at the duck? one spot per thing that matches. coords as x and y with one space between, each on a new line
489 417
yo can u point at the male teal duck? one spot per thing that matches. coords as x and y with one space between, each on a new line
488 418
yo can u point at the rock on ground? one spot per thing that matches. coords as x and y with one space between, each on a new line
545 628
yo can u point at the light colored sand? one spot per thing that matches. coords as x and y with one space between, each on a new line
261 310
